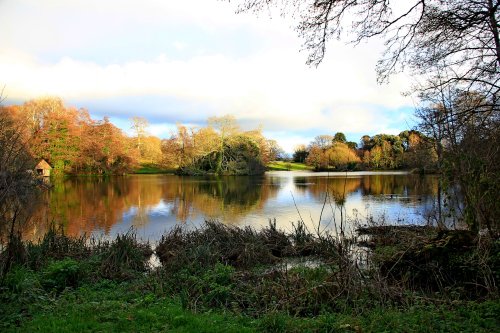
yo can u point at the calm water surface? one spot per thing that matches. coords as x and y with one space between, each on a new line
153 204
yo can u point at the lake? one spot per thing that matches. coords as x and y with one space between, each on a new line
153 204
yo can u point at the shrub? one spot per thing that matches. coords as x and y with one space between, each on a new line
62 274
55 245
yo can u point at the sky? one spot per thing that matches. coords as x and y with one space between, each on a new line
181 62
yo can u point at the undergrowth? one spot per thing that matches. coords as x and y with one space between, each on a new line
265 280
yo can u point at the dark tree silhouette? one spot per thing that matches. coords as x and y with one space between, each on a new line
456 41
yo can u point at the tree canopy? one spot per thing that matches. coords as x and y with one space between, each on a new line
219 148
70 140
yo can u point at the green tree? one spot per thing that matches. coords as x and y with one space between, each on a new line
220 148
339 137
226 126
300 154
352 145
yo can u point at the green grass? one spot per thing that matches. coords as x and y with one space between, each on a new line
152 169
111 307
134 307
288 166
147 168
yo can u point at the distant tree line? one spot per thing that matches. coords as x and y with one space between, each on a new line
74 143
408 150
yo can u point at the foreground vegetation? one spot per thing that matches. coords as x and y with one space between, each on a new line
220 278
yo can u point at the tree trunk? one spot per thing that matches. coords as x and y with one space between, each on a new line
494 28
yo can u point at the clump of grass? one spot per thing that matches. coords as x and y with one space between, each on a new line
216 242
56 245
124 257
14 254
260 279
57 254
456 263
277 241
62 274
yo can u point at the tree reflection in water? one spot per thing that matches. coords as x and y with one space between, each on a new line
87 205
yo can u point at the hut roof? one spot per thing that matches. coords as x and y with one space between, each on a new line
43 165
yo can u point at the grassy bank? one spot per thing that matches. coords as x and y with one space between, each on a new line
153 169
133 307
288 166
219 278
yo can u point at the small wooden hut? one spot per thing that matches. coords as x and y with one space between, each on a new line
43 168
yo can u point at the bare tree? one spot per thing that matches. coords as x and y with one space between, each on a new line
452 49
139 126
275 151
322 141
466 135
421 36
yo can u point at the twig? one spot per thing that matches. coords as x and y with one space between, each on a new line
295 204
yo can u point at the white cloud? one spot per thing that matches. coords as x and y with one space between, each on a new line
162 130
269 85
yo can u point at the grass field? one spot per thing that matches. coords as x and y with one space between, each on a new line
273 166
136 307
152 169
287 166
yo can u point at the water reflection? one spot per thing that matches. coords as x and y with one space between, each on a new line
152 204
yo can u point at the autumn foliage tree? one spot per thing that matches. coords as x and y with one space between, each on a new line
331 152
407 150
17 184
71 141
220 148
105 149
148 146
